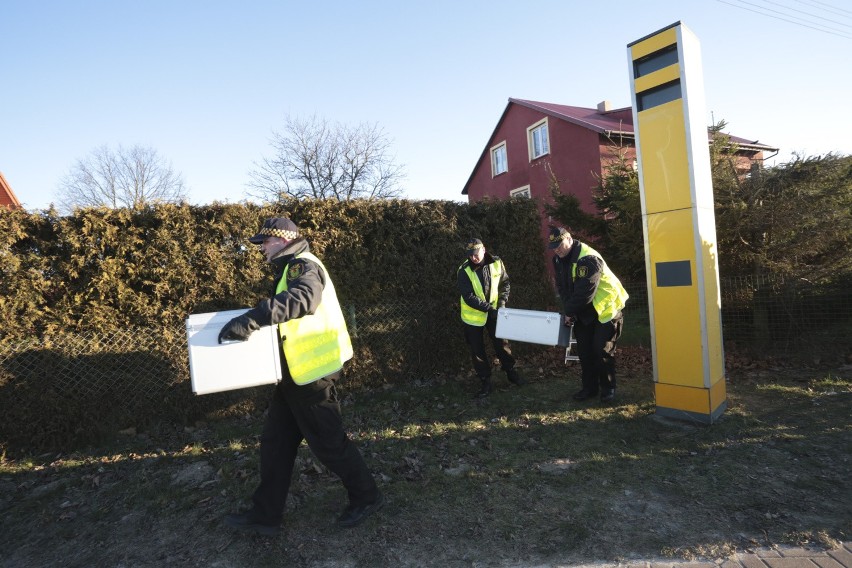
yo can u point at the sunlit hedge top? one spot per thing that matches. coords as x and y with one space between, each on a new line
105 268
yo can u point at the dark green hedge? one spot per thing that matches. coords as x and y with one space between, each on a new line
101 272
101 269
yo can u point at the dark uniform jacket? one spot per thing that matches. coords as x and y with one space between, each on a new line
483 271
303 293
577 295
302 297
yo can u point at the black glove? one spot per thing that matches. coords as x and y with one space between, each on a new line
491 315
238 329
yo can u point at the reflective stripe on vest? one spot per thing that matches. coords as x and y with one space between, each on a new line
472 316
315 345
610 296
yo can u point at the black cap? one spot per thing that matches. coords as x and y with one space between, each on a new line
472 246
557 235
276 227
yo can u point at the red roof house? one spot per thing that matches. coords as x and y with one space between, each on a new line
7 196
535 143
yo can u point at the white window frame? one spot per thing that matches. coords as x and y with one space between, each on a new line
538 134
495 162
521 192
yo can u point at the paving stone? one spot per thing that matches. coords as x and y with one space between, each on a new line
789 563
751 561
842 555
805 552
828 562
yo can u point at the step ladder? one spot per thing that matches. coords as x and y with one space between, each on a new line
571 350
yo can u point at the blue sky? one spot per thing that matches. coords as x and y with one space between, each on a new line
205 83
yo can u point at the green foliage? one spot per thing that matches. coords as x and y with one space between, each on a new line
793 220
23 286
102 269
393 251
615 230
567 211
621 233
145 270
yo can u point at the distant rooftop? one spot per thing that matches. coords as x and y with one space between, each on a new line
7 196
613 123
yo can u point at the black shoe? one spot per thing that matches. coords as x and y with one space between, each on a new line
583 394
514 377
608 395
486 389
353 515
248 522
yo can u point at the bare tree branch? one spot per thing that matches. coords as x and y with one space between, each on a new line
127 177
312 158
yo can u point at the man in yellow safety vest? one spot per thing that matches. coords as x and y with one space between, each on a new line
483 285
592 299
314 345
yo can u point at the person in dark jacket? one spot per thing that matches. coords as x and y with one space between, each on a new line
592 299
483 284
314 344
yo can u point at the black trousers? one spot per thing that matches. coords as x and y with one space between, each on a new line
310 412
474 335
595 347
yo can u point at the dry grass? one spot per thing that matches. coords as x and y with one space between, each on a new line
527 477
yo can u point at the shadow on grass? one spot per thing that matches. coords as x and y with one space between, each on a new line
525 477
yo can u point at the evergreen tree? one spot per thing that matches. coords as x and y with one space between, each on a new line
792 220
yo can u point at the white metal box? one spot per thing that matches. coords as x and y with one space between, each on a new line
232 365
531 326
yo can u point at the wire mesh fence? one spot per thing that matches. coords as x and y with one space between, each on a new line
136 362
772 316
787 316
60 386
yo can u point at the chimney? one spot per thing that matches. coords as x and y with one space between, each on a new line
604 106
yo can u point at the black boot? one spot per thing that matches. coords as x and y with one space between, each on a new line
251 522
584 393
485 389
514 377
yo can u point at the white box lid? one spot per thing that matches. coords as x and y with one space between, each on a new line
233 365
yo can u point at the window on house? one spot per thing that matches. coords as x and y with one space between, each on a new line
538 139
521 192
499 164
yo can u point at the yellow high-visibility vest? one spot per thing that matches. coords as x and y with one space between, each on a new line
610 296
472 316
315 345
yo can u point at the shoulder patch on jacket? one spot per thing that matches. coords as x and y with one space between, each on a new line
582 271
295 270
